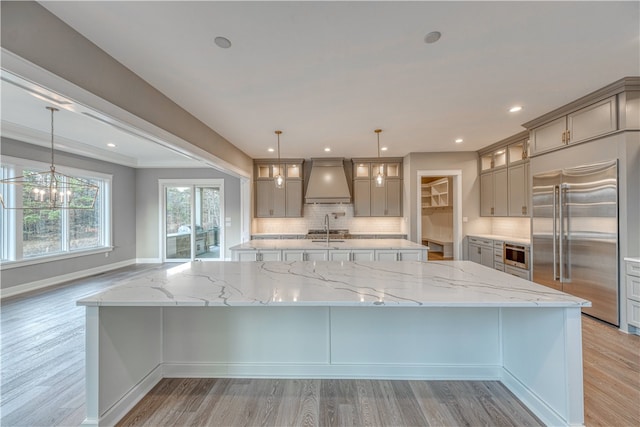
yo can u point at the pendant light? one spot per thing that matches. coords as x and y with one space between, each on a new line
380 176
279 178
48 189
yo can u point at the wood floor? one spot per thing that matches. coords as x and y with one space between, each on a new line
263 402
42 381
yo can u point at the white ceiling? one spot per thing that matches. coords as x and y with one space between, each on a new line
329 73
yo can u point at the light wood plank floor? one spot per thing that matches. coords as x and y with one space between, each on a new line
42 380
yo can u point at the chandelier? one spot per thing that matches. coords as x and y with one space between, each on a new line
48 189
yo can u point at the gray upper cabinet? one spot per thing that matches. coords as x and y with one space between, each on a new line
504 177
272 202
361 198
371 200
592 121
494 193
518 183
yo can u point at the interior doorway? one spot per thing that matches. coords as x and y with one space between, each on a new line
192 221
439 222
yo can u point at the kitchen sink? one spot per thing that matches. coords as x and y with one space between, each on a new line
330 241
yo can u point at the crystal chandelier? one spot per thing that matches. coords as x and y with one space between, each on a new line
48 189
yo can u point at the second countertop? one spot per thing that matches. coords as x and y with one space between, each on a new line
307 244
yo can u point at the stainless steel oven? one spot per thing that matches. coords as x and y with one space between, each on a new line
516 255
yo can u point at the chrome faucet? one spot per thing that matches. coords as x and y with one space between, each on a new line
326 226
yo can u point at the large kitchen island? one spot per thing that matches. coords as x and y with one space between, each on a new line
307 319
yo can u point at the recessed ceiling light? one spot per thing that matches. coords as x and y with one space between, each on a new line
432 37
271 150
515 108
222 42
327 149
112 145
384 148
459 140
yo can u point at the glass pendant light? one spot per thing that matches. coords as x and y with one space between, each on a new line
279 178
380 176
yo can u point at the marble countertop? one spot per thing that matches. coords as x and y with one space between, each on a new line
519 240
327 283
301 244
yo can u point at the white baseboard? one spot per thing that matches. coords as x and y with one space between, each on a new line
543 411
51 281
253 370
128 401
148 260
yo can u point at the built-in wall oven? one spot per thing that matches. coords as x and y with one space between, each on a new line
516 255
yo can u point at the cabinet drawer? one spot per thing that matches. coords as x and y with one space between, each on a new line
523 274
633 268
633 313
498 266
633 287
480 241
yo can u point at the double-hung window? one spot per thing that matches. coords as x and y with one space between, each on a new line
30 236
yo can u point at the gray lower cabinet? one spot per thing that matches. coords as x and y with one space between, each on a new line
352 255
263 255
632 279
401 255
481 251
494 193
305 255
519 272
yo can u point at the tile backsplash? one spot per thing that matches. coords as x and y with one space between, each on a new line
511 227
313 218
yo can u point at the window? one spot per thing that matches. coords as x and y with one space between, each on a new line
29 235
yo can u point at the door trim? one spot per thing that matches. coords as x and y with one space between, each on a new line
456 174
193 183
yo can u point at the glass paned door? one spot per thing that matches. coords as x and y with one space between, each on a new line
178 222
207 220
192 221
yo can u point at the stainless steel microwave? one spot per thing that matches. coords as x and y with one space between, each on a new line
516 255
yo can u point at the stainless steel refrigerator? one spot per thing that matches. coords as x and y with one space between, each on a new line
575 235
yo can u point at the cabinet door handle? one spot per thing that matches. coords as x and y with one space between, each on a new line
479 250
524 210
398 256
568 136
491 211
564 137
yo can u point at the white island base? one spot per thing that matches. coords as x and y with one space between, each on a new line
436 320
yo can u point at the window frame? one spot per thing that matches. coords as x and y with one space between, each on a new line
11 247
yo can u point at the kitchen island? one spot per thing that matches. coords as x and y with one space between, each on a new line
435 320
332 250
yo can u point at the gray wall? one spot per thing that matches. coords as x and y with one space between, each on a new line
148 206
33 33
123 211
467 162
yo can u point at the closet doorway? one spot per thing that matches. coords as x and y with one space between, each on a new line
192 214
439 212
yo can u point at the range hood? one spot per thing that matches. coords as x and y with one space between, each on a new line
327 182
